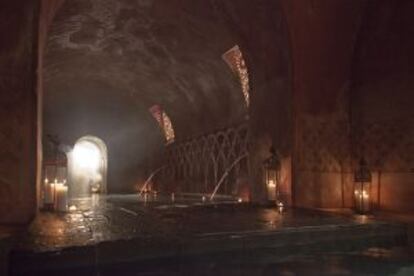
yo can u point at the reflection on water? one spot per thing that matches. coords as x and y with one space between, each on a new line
373 261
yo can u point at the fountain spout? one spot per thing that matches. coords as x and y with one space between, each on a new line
226 173
149 179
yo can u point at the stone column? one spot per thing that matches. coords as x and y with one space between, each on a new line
18 110
5 246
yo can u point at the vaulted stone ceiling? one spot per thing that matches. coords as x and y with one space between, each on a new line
146 52
107 62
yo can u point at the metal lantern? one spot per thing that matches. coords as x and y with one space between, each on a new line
362 188
272 168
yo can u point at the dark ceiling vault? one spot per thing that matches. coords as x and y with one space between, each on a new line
106 59
154 52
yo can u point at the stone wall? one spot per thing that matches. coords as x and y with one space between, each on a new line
322 37
353 98
382 110
48 9
18 110
324 169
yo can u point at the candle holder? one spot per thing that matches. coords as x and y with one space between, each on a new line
54 167
61 197
362 188
48 195
272 166
55 196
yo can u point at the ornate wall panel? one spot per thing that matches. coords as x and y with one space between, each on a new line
325 144
387 145
197 165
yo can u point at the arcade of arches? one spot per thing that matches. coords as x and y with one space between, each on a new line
329 82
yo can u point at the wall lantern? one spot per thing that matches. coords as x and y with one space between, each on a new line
362 188
272 168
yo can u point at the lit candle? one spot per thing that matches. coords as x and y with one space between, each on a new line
49 193
271 189
280 206
61 197
365 201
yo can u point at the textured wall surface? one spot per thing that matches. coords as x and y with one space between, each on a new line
352 67
382 113
322 35
18 23
47 12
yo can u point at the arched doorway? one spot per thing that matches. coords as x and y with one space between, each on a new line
87 167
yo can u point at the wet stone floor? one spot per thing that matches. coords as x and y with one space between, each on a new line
124 217
131 235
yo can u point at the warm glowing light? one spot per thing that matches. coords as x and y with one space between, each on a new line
364 194
271 184
168 129
87 167
164 122
239 200
61 197
235 60
86 155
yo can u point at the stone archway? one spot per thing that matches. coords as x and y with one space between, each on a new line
87 167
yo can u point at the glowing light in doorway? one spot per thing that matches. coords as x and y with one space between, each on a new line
87 156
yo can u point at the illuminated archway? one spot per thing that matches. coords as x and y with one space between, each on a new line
87 167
